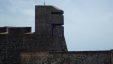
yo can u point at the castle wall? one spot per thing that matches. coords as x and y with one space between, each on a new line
11 43
3 29
76 57
18 45
3 47
111 56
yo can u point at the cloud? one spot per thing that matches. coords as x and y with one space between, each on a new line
17 13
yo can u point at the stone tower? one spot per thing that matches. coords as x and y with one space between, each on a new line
18 45
48 28
48 36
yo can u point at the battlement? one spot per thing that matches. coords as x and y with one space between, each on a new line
48 35
19 45
6 30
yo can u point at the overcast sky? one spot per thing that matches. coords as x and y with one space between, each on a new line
88 23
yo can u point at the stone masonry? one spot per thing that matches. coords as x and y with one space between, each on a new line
71 57
48 36
18 45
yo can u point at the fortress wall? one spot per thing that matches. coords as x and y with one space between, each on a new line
15 38
28 42
20 44
3 29
111 56
11 42
58 38
80 57
3 47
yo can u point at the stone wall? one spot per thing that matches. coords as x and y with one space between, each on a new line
111 56
77 57
11 43
18 45
49 35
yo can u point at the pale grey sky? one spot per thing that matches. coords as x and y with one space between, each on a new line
88 23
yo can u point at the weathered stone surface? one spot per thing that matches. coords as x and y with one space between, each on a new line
3 29
112 56
49 29
49 36
18 45
81 57
3 47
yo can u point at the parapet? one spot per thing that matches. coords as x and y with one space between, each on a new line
4 30
50 8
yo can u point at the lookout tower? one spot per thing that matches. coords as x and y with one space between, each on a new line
49 29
